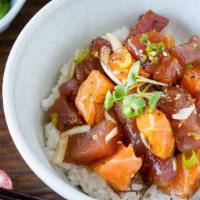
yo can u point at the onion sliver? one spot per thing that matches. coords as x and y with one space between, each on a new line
104 57
76 130
144 141
174 165
60 151
115 42
111 134
109 117
72 68
184 113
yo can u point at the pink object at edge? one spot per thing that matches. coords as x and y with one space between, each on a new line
5 181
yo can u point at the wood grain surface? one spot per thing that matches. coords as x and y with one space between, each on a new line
23 178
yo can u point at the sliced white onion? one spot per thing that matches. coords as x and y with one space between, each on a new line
110 74
104 57
137 186
174 165
61 150
144 141
109 117
76 130
115 42
111 134
72 68
184 113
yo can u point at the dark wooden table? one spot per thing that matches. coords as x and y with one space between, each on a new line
10 160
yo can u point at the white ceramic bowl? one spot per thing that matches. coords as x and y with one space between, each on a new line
16 6
46 42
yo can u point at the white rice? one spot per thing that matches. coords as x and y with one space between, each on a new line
81 176
64 73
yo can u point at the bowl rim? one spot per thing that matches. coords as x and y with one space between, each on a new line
52 180
15 8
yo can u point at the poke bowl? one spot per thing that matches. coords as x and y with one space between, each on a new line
104 104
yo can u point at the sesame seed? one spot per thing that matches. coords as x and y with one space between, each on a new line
94 137
180 124
153 53
140 51
165 53
177 96
169 100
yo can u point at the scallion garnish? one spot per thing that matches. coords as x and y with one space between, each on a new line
144 39
192 161
188 66
54 118
153 50
82 56
133 104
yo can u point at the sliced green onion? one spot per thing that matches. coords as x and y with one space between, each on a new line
153 50
82 56
109 101
188 66
188 163
54 118
144 39
4 8
196 136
